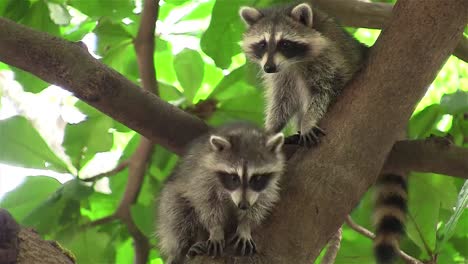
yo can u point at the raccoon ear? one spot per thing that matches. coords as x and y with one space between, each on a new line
219 143
250 15
302 13
275 142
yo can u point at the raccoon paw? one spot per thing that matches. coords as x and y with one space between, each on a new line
293 139
244 246
311 138
215 247
199 248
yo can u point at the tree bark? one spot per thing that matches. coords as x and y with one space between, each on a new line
322 185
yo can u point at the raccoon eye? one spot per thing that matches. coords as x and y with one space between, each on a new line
259 182
285 44
229 181
259 48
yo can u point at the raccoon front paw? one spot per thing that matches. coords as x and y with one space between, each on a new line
244 246
293 139
311 138
199 248
215 247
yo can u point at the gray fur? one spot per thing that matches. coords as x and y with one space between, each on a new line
194 206
305 86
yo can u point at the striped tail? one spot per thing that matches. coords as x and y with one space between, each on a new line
389 216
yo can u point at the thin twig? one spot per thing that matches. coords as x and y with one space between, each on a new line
362 230
120 167
333 247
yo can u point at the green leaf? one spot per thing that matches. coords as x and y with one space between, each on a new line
455 103
115 9
21 145
59 14
220 40
189 67
14 9
125 252
422 123
110 34
91 246
448 230
76 33
168 92
122 58
83 140
424 209
29 195
30 82
143 217
38 17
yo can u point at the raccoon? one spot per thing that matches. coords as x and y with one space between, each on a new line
307 59
228 179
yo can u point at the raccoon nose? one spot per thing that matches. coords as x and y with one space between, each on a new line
244 205
270 68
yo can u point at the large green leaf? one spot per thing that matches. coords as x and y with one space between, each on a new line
427 193
30 194
220 40
189 67
21 145
455 103
122 58
14 9
59 13
83 140
91 246
448 230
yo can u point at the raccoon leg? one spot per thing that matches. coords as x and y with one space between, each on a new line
216 242
242 240
310 133
176 226
280 109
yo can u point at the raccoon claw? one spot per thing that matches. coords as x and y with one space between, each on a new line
293 139
199 248
215 247
244 246
311 138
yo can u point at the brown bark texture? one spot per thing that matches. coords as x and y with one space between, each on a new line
322 185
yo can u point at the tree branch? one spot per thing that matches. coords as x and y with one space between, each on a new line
437 155
363 231
71 67
333 248
120 167
144 46
358 13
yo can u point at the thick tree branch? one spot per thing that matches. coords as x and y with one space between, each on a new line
366 14
71 67
437 155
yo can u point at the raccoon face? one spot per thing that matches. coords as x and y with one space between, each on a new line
277 40
246 170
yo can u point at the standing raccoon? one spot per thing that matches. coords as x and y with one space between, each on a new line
306 59
229 178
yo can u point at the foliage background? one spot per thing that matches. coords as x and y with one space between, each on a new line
198 60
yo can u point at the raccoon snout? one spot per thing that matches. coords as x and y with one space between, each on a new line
270 68
243 205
